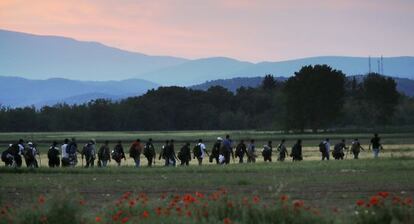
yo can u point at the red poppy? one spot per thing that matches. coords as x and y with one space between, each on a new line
229 204
298 203
360 202
396 200
132 203
158 210
41 199
227 221
98 219
383 194
125 220
284 197
205 214
188 213
82 202
199 195
408 201
145 214
374 200
256 199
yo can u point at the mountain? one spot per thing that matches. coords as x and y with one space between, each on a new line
404 85
42 57
17 92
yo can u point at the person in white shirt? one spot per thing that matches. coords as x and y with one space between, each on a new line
327 148
200 151
65 155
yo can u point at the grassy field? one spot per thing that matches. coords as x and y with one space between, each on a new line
324 184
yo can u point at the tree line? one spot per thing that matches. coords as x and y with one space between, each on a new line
314 98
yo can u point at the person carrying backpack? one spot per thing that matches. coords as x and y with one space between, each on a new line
170 154
65 155
118 153
296 153
149 152
20 151
215 151
135 152
104 155
267 152
53 155
338 152
72 150
163 153
7 156
227 149
199 151
282 151
356 148
325 148
241 150
251 152
376 145
89 151
30 153
184 155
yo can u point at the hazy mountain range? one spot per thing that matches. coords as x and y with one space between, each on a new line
16 92
41 57
37 60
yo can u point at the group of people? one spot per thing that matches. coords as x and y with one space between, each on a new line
223 150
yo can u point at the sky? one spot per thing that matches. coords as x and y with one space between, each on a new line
255 30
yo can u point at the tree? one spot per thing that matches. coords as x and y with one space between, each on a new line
314 97
381 97
269 82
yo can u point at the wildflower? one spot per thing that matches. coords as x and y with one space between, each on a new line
82 202
98 219
188 213
383 194
256 199
229 204
158 210
199 195
335 210
360 202
205 214
298 203
374 200
41 200
132 203
163 196
408 201
396 200
284 198
125 220
227 221
43 219
145 214
188 198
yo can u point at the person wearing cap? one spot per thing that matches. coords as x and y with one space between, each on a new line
215 151
104 155
30 153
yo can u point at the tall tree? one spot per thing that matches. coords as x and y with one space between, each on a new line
381 97
314 97
269 82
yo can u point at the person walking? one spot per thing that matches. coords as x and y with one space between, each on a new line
149 152
215 151
184 155
30 153
227 149
118 153
282 151
325 149
170 154
135 152
53 155
356 148
267 152
251 152
200 151
89 152
65 155
241 150
376 145
72 150
104 155
163 153
339 150
296 153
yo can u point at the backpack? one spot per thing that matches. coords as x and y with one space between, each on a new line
197 151
4 155
266 151
28 153
71 148
322 147
337 148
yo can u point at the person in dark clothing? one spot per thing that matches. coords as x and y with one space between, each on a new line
325 148
356 148
215 151
251 152
338 152
170 154
8 156
72 150
227 149
376 145
53 155
89 152
30 152
282 150
296 153
267 152
149 152
163 153
104 155
241 151
118 153
18 155
135 152
185 154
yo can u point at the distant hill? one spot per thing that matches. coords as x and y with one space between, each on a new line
41 57
404 85
17 92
